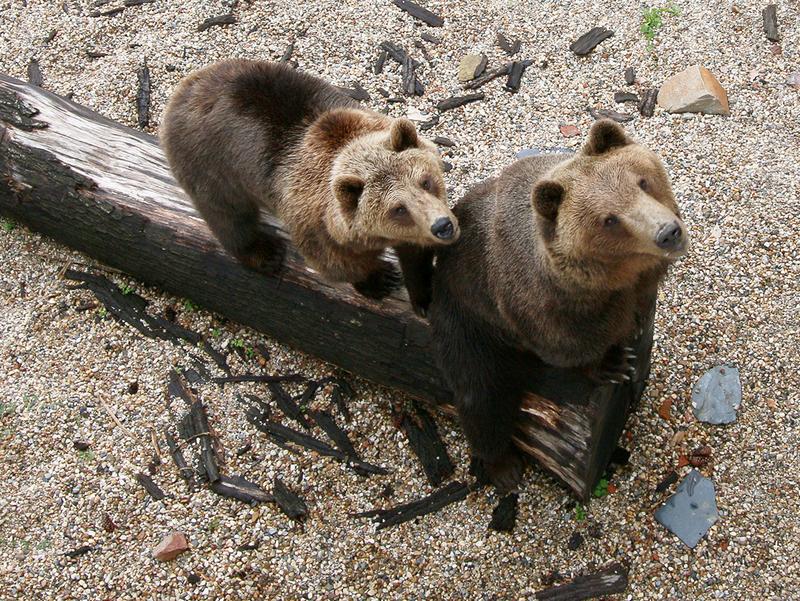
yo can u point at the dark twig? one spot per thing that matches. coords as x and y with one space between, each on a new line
228 19
236 487
290 503
258 378
770 16
451 493
35 73
611 580
143 96
487 77
151 487
281 432
418 12
456 101
423 437
287 404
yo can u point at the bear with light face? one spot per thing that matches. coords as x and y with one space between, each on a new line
245 136
558 256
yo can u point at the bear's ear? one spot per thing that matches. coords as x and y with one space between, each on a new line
547 196
605 135
403 135
347 189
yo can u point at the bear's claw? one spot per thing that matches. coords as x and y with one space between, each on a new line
617 367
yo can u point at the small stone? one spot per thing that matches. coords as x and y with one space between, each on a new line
794 80
575 541
80 445
700 457
691 511
717 395
173 545
569 131
694 90
665 409
471 66
193 578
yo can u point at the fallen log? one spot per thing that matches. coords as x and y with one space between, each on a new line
105 190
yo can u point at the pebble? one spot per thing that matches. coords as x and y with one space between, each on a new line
171 546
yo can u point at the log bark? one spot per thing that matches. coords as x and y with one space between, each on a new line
106 190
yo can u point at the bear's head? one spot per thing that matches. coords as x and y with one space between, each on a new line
608 215
389 186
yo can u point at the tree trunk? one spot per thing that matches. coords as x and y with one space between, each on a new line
106 190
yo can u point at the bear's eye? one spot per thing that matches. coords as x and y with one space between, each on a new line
611 221
643 184
426 184
400 211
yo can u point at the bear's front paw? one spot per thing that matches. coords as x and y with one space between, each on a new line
506 472
618 366
381 283
265 255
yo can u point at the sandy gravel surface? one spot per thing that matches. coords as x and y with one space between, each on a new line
733 300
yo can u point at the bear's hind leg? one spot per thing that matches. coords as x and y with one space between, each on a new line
484 375
236 227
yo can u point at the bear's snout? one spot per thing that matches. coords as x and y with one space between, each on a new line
670 236
443 228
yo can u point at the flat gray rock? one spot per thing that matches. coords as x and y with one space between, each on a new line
535 152
717 395
691 511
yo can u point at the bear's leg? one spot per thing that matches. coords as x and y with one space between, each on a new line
384 279
417 265
235 224
484 375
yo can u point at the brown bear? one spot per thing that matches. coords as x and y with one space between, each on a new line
242 136
558 255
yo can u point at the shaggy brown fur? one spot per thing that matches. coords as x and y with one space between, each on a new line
557 257
242 136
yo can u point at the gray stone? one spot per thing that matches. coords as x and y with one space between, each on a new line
471 66
535 152
691 511
717 395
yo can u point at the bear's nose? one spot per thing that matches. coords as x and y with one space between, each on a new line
443 228
670 236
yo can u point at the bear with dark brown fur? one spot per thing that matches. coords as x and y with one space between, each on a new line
245 136
558 255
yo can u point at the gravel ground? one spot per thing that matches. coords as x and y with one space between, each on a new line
734 300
